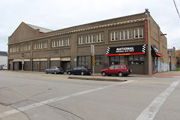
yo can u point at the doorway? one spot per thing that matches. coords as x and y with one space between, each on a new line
65 65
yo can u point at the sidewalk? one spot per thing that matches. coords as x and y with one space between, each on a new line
161 74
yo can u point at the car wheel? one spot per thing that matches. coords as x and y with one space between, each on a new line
120 74
103 74
82 73
69 73
55 72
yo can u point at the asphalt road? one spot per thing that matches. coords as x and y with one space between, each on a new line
37 96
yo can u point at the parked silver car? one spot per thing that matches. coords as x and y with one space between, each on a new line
54 70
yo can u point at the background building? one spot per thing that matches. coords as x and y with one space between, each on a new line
3 60
135 40
172 58
178 58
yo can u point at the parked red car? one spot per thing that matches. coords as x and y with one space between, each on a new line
120 70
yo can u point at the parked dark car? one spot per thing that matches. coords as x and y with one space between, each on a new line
79 71
54 70
120 70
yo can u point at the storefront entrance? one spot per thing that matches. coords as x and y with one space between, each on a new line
65 65
133 56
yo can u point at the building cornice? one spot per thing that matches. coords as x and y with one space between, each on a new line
85 29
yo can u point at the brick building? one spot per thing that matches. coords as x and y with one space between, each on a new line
177 58
135 40
172 58
3 60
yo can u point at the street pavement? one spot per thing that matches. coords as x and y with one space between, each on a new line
39 96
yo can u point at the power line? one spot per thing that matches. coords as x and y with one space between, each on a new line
176 8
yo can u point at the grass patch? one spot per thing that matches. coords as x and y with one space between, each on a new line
177 69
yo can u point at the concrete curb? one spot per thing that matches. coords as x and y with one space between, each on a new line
98 79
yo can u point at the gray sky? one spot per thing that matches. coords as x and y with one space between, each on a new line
57 14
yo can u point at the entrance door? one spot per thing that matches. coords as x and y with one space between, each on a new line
155 64
65 65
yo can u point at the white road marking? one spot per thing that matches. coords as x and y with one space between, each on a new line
150 112
35 105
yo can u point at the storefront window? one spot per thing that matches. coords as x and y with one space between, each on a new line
99 59
82 60
136 59
115 60
121 59
141 57
131 58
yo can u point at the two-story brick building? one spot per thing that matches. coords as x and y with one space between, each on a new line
135 40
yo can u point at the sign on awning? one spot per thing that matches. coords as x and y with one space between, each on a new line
127 50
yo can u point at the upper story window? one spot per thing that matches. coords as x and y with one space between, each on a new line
130 34
68 42
122 35
138 33
57 42
90 39
20 48
126 34
100 38
114 36
80 40
63 42
94 39
84 40
53 43
45 45
87 39
14 49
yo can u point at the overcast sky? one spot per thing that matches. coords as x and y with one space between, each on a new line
57 14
